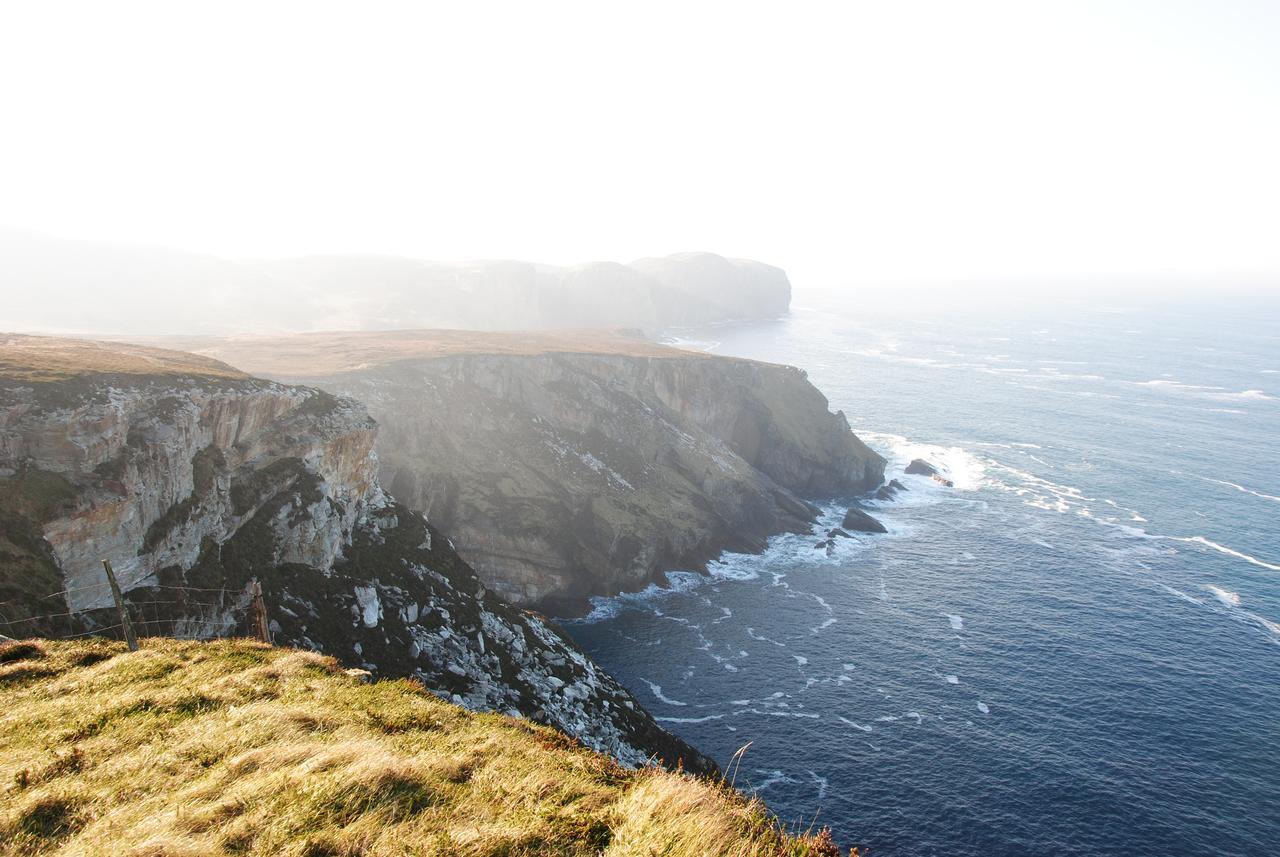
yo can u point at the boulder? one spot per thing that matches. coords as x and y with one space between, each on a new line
920 467
836 532
859 521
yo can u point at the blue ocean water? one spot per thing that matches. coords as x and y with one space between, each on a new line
1075 650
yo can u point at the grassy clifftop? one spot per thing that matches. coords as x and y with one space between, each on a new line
42 359
231 747
310 355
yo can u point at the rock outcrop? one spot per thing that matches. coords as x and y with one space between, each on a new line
889 490
577 465
920 467
193 480
859 521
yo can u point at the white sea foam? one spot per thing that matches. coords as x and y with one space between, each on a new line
820 782
705 719
801 660
751 632
656 689
800 714
982 706
1226 596
1223 549
1206 391
771 778
957 622
1180 594
849 722
959 465
916 716
1273 498
1273 627
951 679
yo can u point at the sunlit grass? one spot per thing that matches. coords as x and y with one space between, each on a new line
232 747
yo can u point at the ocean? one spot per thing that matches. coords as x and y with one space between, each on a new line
1074 650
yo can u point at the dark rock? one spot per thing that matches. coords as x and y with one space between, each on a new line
859 521
825 544
836 532
920 467
889 490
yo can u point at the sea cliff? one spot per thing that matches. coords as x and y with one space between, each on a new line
193 479
571 465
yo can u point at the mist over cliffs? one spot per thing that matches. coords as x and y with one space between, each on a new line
60 286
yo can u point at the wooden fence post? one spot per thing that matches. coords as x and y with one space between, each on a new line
129 636
261 627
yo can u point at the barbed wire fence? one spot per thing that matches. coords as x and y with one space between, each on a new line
182 612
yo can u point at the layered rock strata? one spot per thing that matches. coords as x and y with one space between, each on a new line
195 482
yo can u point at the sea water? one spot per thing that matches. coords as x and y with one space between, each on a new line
1074 650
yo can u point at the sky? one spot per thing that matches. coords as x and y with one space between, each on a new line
882 142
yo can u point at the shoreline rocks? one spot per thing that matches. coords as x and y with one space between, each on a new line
920 467
859 521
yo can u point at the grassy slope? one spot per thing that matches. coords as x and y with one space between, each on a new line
303 355
232 747
41 359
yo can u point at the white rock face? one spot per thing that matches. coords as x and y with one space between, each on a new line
155 467
369 604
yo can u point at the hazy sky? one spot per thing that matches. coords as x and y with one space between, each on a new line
856 140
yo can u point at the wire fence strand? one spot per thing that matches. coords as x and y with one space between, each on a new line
190 616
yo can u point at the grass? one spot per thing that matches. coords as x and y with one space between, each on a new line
233 747
304 355
46 359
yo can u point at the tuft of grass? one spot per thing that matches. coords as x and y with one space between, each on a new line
233 747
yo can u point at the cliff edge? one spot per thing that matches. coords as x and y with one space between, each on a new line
193 479
575 464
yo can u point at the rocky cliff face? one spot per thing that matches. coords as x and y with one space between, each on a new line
563 472
192 484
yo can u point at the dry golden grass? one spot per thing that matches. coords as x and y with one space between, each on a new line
232 747
304 355
36 359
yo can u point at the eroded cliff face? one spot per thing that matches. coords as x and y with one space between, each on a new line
194 485
560 476
159 466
